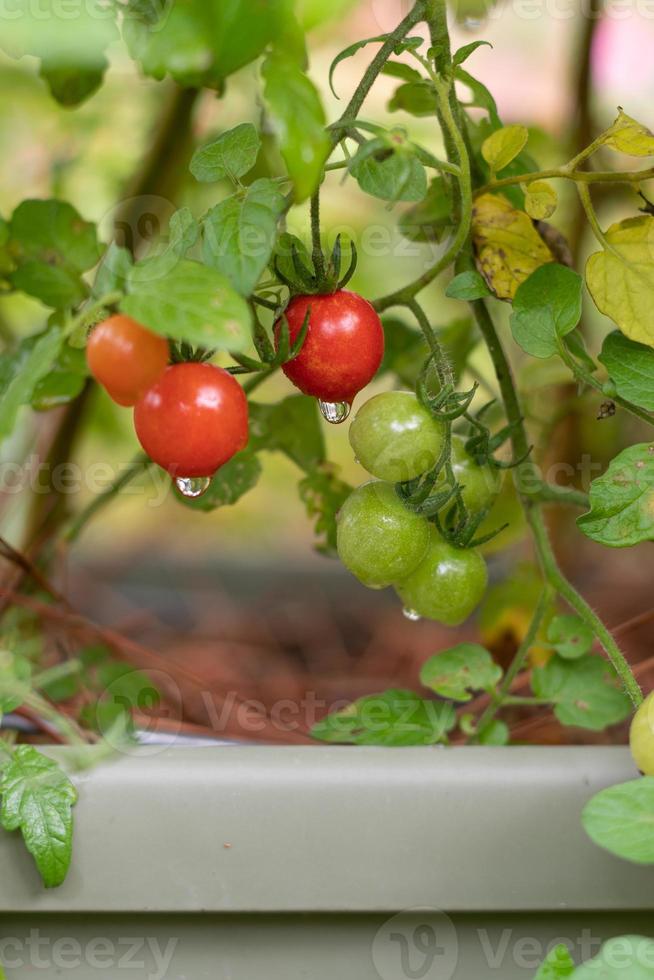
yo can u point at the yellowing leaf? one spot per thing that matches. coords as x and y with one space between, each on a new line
503 146
621 278
540 200
629 136
508 246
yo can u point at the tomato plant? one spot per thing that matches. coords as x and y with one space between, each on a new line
189 325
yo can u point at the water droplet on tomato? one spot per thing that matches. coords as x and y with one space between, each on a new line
334 412
411 614
192 486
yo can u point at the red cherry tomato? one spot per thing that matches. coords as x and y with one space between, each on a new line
343 348
125 358
193 419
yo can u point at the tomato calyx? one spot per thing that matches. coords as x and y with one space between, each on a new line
314 282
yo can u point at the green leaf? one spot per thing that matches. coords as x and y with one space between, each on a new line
631 369
232 155
467 286
629 136
540 200
202 42
399 69
37 799
323 494
394 718
240 232
398 177
192 303
503 146
621 278
52 246
418 98
546 307
113 271
622 500
72 86
63 382
31 369
431 219
558 965
464 53
570 637
292 427
458 672
621 820
495 733
231 482
299 119
481 97
622 958
583 692
405 45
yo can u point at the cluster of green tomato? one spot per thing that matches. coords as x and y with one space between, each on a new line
385 543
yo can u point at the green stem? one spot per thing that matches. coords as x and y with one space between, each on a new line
443 366
316 252
550 493
551 571
579 176
501 696
139 464
585 198
585 377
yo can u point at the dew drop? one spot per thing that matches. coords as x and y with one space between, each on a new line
334 412
411 614
192 486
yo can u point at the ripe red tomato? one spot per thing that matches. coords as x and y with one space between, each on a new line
193 420
126 358
343 348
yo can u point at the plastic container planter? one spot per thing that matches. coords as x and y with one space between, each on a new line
321 863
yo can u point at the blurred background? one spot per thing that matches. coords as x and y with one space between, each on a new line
238 598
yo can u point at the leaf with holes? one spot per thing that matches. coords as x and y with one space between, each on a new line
570 637
584 692
458 672
37 799
622 500
393 718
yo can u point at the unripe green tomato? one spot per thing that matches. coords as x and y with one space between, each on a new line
379 539
481 484
641 736
395 438
447 585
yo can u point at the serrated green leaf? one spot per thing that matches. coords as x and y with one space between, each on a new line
394 718
240 232
323 494
460 671
629 136
621 820
37 799
622 500
398 177
622 958
558 965
503 146
30 370
584 692
540 200
192 303
299 120
467 286
292 427
231 482
621 278
232 155
51 246
570 637
546 307
631 369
